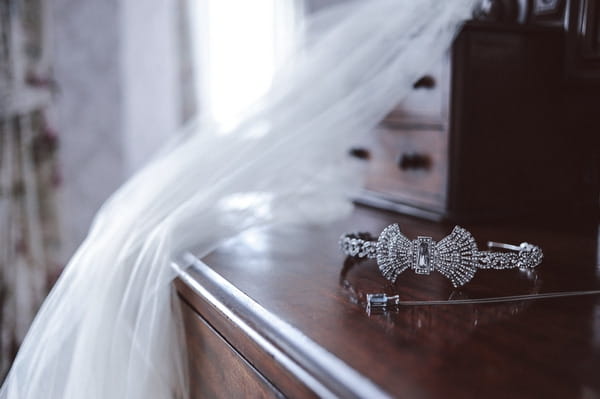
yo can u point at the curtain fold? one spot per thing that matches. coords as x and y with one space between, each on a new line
29 225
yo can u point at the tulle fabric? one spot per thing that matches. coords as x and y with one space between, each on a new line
110 328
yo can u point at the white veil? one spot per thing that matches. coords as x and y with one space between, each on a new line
109 328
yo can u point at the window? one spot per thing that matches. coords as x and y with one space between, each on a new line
239 45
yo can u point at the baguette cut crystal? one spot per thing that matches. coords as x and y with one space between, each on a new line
377 300
423 255
423 263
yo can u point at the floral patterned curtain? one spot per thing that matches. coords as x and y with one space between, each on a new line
29 228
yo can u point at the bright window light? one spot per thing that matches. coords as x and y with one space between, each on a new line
239 49
241 53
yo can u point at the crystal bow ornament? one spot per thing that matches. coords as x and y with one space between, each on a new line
455 256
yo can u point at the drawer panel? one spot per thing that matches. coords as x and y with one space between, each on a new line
427 103
217 370
409 166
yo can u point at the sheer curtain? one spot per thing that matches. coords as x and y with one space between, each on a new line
30 228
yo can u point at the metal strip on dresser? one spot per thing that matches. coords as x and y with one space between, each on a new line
322 372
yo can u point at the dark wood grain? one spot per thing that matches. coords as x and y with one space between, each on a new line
220 372
528 349
506 140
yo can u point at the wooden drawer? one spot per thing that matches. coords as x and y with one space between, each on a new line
409 165
427 103
217 369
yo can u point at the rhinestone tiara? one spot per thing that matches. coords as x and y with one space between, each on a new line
455 256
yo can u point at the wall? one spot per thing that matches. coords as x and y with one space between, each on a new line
115 65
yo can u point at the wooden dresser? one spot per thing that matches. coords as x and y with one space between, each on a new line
506 126
279 313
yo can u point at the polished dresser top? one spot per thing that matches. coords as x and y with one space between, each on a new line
290 303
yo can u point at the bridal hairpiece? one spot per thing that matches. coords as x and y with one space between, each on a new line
456 256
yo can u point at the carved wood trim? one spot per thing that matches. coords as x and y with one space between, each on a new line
583 48
548 12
